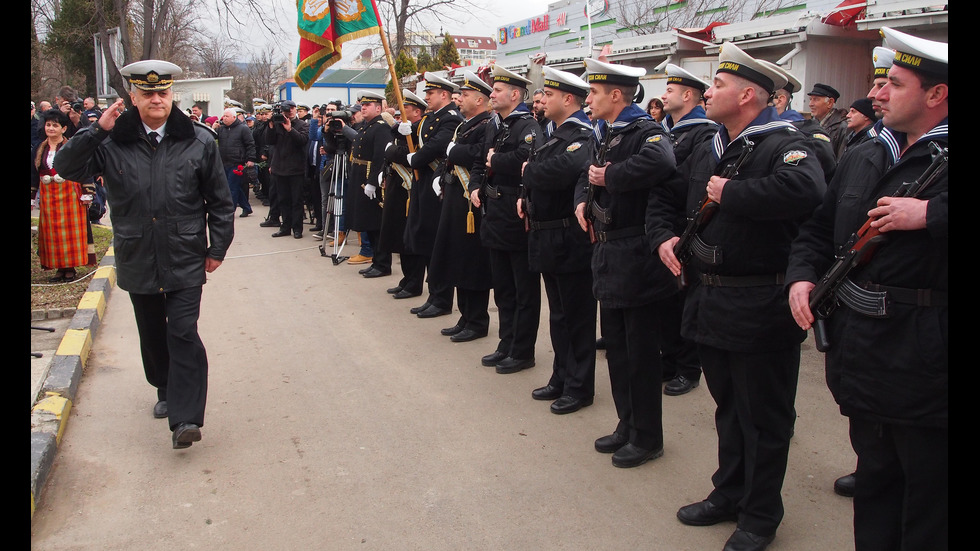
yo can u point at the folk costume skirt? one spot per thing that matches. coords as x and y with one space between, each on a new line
64 234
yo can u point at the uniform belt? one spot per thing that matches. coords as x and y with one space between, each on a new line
498 192
612 235
357 161
715 280
552 224
871 299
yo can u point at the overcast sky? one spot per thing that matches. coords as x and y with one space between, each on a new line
472 22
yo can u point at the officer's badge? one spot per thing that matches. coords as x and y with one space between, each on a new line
794 157
654 139
573 147
822 137
529 138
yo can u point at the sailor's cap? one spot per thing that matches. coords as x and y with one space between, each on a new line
564 81
412 99
918 54
475 83
677 75
501 74
435 82
792 85
731 59
607 73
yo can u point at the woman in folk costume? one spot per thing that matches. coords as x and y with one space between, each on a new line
64 234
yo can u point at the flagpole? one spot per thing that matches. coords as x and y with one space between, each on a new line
394 81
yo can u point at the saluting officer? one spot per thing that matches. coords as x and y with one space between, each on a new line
557 246
736 309
398 180
495 186
632 156
888 362
458 258
366 174
689 127
435 132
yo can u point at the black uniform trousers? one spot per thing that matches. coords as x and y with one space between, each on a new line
413 273
517 294
901 492
755 395
678 355
473 309
289 191
633 355
174 358
381 259
572 312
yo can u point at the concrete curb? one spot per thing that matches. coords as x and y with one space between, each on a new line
50 414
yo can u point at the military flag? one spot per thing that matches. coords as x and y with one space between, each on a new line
324 25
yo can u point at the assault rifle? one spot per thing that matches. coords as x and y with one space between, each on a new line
861 246
700 217
600 161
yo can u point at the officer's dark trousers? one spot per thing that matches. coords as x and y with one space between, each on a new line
754 394
572 311
633 354
901 492
473 312
174 358
289 191
413 273
517 294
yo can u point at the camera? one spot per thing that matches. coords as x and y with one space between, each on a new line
336 117
277 116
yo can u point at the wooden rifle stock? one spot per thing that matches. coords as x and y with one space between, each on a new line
861 246
700 217
600 160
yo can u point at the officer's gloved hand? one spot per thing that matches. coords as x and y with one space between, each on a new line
371 191
405 128
435 185
409 158
450 147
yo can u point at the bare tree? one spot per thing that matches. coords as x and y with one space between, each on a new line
400 17
654 16
215 56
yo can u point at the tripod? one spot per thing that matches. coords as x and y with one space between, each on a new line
335 214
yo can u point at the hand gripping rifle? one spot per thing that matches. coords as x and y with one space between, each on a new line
599 161
700 217
861 246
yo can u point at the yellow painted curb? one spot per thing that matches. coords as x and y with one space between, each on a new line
110 251
106 272
76 342
56 406
93 300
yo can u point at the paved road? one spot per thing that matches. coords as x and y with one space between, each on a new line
337 420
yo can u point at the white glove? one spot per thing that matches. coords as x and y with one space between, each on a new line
435 186
381 177
371 191
450 147
409 158
405 128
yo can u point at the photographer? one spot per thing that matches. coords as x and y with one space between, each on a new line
288 136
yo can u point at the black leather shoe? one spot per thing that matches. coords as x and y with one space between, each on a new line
160 409
450 331
513 365
433 312
186 434
402 293
297 235
844 486
374 272
679 385
630 456
269 224
394 290
569 404
418 309
363 271
610 443
704 513
467 335
280 233
741 540
491 360
549 392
